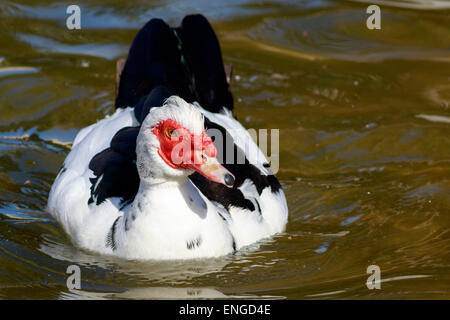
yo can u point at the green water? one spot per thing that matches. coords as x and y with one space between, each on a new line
364 164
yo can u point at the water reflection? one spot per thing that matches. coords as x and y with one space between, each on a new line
155 271
160 293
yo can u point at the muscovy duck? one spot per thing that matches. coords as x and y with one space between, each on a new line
146 182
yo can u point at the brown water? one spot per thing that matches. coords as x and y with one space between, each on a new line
365 166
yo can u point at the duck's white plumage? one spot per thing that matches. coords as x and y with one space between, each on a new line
118 194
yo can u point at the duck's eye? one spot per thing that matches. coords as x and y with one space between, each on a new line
170 132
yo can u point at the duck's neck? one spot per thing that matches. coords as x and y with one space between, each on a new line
151 195
166 202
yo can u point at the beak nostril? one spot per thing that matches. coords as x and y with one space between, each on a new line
229 179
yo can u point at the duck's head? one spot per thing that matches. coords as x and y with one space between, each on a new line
172 144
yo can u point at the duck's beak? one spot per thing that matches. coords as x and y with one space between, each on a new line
210 168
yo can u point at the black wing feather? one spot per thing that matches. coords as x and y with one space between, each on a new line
115 169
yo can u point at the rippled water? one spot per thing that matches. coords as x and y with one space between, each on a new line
364 125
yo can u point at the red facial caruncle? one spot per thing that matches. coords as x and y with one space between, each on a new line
181 149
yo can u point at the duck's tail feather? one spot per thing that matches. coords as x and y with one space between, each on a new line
201 50
187 61
153 60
